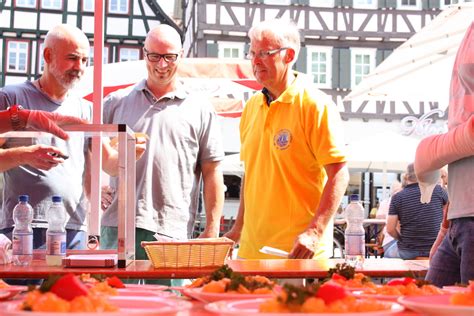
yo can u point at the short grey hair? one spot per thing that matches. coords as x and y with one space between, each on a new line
64 32
284 31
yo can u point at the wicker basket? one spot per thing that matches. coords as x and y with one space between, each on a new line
194 253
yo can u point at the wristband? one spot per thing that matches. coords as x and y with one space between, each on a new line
17 125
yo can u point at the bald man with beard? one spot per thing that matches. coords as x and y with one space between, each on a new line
32 165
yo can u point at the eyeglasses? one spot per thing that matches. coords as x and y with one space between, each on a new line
154 57
265 53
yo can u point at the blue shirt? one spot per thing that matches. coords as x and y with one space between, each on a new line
419 223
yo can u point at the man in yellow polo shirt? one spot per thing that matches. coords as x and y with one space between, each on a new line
293 154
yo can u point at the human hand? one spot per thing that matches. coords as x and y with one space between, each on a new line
209 233
41 156
305 245
50 122
107 196
140 144
234 234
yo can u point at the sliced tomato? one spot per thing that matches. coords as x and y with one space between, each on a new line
330 292
401 281
68 287
115 282
338 277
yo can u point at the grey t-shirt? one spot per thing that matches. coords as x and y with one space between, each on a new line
183 131
460 188
65 180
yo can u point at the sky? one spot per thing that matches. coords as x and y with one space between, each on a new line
166 5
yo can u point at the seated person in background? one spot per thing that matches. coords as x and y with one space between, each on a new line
419 223
389 244
374 210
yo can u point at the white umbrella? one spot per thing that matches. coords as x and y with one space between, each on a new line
420 69
386 151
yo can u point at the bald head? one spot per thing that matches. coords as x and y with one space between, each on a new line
65 33
163 33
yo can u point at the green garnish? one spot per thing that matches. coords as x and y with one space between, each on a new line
298 295
48 283
344 270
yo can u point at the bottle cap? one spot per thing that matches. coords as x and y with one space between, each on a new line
57 198
354 197
23 198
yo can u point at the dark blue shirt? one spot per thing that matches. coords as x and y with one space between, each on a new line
419 223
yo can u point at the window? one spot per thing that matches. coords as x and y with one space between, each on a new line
365 4
280 2
25 3
118 6
52 4
40 58
105 56
409 4
322 3
446 3
362 63
231 50
319 65
88 5
128 54
17 56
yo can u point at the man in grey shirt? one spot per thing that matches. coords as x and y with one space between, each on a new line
30 165
184 145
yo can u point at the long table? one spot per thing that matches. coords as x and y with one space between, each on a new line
273 268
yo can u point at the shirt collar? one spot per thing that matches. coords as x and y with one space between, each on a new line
179 93
289 94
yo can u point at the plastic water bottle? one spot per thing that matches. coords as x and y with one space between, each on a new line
22 233
56 233
355 233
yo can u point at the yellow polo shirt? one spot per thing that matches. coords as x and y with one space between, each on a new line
284 149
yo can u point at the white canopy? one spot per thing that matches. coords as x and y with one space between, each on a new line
386 151
420 69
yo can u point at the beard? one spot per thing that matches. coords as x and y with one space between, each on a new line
67 79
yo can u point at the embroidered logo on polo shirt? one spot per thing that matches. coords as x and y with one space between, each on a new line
282 139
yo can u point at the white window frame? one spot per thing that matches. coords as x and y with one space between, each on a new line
230 45
105 56
128 51
322 3
18 53
25 4
452 2
40 57
373 5
371 52
51 5
320 49
118 3
401 6
88 5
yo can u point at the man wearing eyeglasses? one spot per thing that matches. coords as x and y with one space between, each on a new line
184 146
292 148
